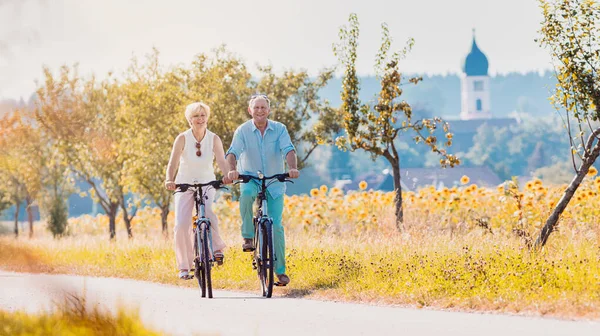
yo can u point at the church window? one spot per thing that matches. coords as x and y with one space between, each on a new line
478 103
478 85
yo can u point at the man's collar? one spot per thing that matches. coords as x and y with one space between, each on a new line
269 125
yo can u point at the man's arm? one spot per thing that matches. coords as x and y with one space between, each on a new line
232 162
233 153
292 162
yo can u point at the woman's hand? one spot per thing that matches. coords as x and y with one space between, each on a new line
170 185
227 180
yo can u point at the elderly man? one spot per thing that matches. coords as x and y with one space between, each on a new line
262 144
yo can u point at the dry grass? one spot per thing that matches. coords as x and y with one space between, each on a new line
73 317
463 248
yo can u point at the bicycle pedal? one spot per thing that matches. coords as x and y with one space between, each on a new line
279 284
251 249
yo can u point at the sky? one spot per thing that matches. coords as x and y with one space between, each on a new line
102 36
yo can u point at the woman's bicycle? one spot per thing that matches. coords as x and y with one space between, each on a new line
203 251
264 254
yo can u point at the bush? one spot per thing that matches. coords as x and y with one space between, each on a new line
57 216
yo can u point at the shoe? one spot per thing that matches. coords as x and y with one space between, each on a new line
248 245
185 275
282 279
219 257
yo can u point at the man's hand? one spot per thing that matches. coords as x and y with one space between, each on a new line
233 175
170 185
227 180
294 173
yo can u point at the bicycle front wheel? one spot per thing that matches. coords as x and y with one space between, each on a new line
199 268
206 262
266 257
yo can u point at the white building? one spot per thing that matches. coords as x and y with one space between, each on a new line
475 85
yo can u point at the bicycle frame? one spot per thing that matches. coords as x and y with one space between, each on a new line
203 249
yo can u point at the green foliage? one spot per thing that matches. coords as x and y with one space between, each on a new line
375 128
57 216
512 151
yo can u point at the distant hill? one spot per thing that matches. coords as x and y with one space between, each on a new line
440 95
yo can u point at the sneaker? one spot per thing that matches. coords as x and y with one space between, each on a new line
184 275
219 257
283 279
248 245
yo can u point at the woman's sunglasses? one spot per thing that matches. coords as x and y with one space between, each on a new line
198 151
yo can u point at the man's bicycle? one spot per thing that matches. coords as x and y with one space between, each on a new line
203 251
264 253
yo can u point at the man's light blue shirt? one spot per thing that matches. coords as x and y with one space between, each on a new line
255 152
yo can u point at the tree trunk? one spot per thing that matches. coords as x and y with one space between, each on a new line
127 221
112 220
569 192
17 209
398 198
395 162
29 210
164 213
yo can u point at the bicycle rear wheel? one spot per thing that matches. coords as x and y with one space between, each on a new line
206 263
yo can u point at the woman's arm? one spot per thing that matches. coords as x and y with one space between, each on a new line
176 152
220 157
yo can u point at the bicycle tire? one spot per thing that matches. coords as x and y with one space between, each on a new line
200 274
206 262
270 257
264 256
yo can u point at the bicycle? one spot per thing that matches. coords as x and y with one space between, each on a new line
203 252
264 255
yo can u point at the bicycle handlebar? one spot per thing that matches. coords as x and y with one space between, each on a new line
217 184
281 177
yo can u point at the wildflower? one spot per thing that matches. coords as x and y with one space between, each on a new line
362 185
537 182
592 172
323 189
335 191
314 192
464 179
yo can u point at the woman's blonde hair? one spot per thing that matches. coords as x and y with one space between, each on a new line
196 107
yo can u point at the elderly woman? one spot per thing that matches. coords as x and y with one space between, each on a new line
191 162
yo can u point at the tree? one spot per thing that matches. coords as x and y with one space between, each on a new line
375 129
570 31
295 102
21 161
152 115
81 117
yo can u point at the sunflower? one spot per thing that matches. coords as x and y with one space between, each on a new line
323 189
592 172
363 185
314 192
464 179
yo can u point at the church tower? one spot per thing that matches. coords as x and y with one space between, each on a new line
475 85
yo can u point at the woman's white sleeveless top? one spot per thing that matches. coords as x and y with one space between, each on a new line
193 168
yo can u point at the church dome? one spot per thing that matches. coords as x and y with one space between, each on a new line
476 64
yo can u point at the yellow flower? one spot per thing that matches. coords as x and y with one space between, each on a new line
592 172
363 185
335 190
537 182
464 179
323 189
314 192
529 185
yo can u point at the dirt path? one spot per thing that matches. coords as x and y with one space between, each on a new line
181 311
